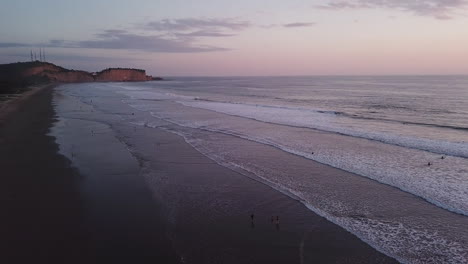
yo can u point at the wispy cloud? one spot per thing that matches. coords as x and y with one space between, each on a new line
15 45
186 24
204 33
112 39
195 28
166 35
289 25
440 9
178 35
126 41
298 24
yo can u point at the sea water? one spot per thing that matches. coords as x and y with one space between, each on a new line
403 138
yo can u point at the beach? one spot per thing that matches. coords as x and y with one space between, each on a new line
317 140
87 209
45 217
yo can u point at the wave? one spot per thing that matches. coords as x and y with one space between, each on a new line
314 119
404 122
394 238
444 188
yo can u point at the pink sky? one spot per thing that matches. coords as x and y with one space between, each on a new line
255 37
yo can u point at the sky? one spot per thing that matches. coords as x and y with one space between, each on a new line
242 37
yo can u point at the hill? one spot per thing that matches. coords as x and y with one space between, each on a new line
15 76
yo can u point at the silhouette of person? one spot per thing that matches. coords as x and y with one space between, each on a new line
277 222
252 217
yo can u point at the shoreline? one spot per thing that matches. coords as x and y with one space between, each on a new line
42 208
72 213
46 215
301 237
209 205
9 106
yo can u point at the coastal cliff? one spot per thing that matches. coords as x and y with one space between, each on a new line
68 76
122 75
14 76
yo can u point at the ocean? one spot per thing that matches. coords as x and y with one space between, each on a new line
401 143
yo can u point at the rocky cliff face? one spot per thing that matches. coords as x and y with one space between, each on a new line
36 68
47 72
22 74
122 75
69 76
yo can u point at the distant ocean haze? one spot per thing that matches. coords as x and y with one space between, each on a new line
402 138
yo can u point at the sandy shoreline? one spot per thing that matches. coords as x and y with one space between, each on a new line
11 102
46 218
200 210
211 206
38 188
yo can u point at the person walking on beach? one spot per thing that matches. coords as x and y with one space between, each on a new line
277 222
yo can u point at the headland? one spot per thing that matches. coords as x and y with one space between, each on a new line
15 77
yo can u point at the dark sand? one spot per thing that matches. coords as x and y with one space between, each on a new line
45 215
210 208
197 211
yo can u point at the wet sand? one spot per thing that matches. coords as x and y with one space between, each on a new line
47 216
209 209
41 208
105 212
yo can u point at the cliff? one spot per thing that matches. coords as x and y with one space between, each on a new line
122 75
68 76
13 76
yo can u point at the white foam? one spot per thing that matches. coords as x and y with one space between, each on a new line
443 184
322 120
154 95
405 241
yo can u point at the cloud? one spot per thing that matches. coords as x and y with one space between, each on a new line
289 25
204 33
15 45
186 24
167 35
440 9
298 24
127 41
178 35
195 28
112 39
